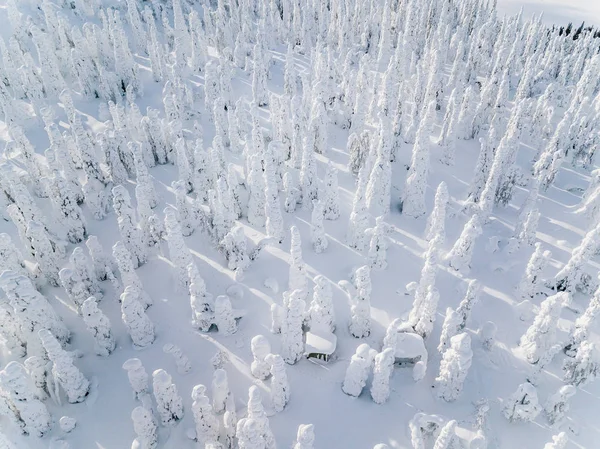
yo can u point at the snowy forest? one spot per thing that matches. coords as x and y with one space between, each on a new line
298 224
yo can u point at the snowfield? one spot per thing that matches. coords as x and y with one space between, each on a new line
427 177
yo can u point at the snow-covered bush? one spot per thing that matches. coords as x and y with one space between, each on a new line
523 404
557 404
585 367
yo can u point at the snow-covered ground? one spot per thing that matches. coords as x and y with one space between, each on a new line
340 421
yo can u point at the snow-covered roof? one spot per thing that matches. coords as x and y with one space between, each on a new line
410 346
320 342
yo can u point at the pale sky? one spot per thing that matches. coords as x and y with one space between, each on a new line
558 12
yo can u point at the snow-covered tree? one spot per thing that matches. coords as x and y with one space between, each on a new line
557 404
224 316
331 194
378 192
424 325
358 370
234 245
436 222
221 393
585 367
382 373
257 412
138 377
360 295
68 211
461 253
129 276
207 424
471 298
17 387
454 367
305 437
10 257
523 404
297 271
139 326
447 436
427 279
257 199
583 324
530 284
320 314
45 253
317 230
540 336
260 348
358 149
168 401
99 326
378 244
84 273
178 251
291 332
130 232
73 382
280 386
571 276
145 428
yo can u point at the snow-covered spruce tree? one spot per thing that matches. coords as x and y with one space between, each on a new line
68 211
317 230
429 306
280 386
207 424
428 276
331 194
137 376
224 316
358 148
391 335
84 273
557 404
454 367
99 326
359 217
540 336
305 438
139 326
187 215
73 287
570 276
168 401
413 197
471 298
31 309
129 277
18 389
130 233
73 382
297 272
292 337
585 367
382 373
320 313
34 173
257 199
523 404
274 220
360 320
96 198
358 371
483 166
436 222
308 173
583 323
234 246
222 396
260 348
530 284
178 251
13 338
145 428
461 253
378 191
47 258
256 411
450 328
378 245
559 441
447 436
10 256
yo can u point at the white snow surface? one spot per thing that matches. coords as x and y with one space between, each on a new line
103 419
